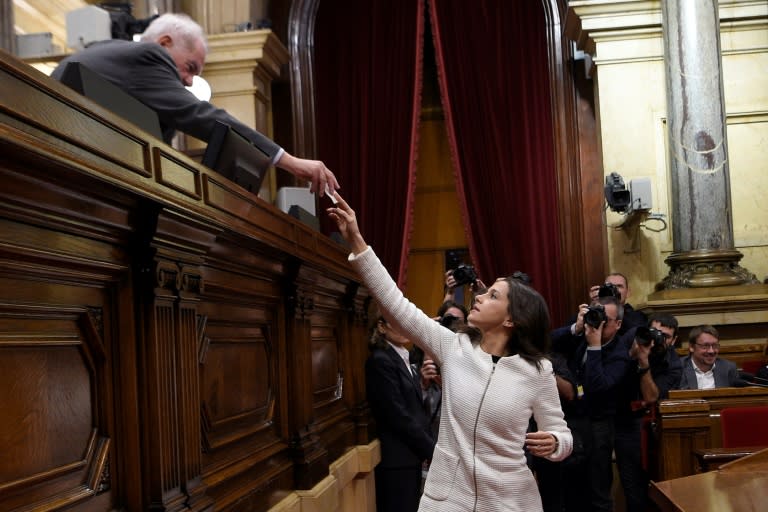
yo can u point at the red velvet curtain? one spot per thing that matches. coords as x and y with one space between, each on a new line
368 60
494 80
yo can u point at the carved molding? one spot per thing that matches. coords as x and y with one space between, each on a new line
698 269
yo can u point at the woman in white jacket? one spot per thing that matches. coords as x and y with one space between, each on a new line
495 377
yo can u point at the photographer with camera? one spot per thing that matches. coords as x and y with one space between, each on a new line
617 285
654 370
598 358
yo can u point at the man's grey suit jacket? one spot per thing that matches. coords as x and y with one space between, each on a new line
726 374
147 72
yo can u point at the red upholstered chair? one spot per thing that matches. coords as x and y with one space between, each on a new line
744 426
753 365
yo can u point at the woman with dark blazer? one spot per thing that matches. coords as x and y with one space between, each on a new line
402 424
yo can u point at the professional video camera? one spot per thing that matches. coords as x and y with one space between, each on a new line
464 274
648 335
595 315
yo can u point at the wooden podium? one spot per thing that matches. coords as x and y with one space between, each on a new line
740 486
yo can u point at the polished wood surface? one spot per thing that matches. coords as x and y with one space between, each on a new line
168 341
714 458
690 420
739 486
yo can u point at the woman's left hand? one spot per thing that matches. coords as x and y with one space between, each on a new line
541 444
346 220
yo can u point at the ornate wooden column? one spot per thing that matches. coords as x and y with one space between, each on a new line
174 249
310 458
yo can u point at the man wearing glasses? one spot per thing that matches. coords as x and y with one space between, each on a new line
702 369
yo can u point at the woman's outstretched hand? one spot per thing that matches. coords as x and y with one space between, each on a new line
345 219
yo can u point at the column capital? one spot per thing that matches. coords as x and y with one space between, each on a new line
257 48
592 24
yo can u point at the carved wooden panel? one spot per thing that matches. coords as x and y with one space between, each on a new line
54 437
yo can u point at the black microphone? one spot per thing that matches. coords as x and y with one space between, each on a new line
742 383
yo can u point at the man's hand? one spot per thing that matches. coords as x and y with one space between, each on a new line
594 335
429 373
450 282
593 293
314 171
640 353
579 326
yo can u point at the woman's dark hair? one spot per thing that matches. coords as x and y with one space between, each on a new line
445 306
377 340
529 312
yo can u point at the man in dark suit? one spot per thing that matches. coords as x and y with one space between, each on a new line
402 423
156 70
702 369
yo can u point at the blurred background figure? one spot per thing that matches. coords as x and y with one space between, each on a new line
402 423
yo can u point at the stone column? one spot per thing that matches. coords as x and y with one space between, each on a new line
704 253
7 35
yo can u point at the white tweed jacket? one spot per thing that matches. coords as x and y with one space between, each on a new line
479 463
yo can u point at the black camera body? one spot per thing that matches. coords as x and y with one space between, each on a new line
450 321
464 274
609 290
595 315
645 336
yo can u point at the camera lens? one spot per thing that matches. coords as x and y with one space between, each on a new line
595 315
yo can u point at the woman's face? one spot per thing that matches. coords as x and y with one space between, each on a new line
490 308
455 312
392 335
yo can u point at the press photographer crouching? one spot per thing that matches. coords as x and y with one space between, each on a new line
655 369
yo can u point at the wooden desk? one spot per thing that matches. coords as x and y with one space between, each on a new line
713 458
738 487
690 420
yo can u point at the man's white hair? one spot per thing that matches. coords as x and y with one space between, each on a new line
177 26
